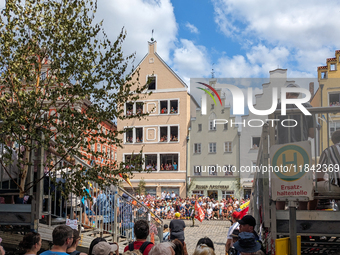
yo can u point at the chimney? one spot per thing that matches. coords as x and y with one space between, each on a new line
152 46
311 88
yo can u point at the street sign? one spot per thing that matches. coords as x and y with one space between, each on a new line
291 172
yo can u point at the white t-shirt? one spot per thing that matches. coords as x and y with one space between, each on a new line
173 195
209 211
236 225
214 205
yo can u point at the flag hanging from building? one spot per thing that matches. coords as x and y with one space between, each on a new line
199 213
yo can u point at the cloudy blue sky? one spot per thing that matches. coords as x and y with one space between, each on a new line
238 38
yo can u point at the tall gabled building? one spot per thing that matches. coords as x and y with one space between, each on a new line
162 134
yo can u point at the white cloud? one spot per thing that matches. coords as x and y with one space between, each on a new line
191 60
258 62
308 29
139 18
192 28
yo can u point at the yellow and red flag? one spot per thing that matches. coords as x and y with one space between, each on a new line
126 179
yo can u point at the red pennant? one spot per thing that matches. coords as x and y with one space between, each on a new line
199 214
243 212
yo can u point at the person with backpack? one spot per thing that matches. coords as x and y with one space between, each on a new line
141 231
73 249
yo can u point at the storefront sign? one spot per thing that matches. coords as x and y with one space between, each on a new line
212 187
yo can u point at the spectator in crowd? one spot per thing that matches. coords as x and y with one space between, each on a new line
234 235
31 243
2 250
166 248
104 248
141 230
178 248
135 252
73 249
247 224
62 239
166 233
203 249
234 217
177 227
207 241
247 244
94 242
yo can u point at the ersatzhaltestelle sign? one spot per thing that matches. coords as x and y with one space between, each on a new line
291 172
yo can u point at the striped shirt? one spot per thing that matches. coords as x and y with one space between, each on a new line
331 157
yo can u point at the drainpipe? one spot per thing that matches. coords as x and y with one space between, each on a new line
186 172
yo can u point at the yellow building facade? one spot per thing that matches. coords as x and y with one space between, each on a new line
162 134
328 94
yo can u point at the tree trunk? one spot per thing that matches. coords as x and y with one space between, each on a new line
24 172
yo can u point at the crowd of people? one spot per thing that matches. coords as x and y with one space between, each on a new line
168 204
241 240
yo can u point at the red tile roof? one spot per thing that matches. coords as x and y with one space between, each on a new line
322 67
331 59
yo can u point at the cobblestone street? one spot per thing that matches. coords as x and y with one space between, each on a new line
216 230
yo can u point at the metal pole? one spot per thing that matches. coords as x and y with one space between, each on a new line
292 228
115 216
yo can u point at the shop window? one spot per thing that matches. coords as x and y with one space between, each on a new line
198 193
173 106
129 109
139 135
163 134
151 191
151 162
334 99
255 142
226 194
169 162
173 134
164 107
129 135
152 83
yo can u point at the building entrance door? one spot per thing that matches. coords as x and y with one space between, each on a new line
213 194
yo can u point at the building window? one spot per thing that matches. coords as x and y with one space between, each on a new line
151 162
151 191
163 107
92 147
174 134
225 126
229 170
255 142
198 170
323 75
212 106
211 125
115 156
333 67
139 135
129 135
226 194
333 126
163 134
212 170
334 99
133 162
152 83
197 148
139 107
169 162
129 109
198 193
212 147
199 127
228 147
99 149
173 106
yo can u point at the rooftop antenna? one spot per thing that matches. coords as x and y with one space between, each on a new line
152 36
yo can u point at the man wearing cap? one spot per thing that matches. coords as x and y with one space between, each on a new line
234 218
177 227
247 244
104 248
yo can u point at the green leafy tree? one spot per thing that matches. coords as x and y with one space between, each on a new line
54 57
